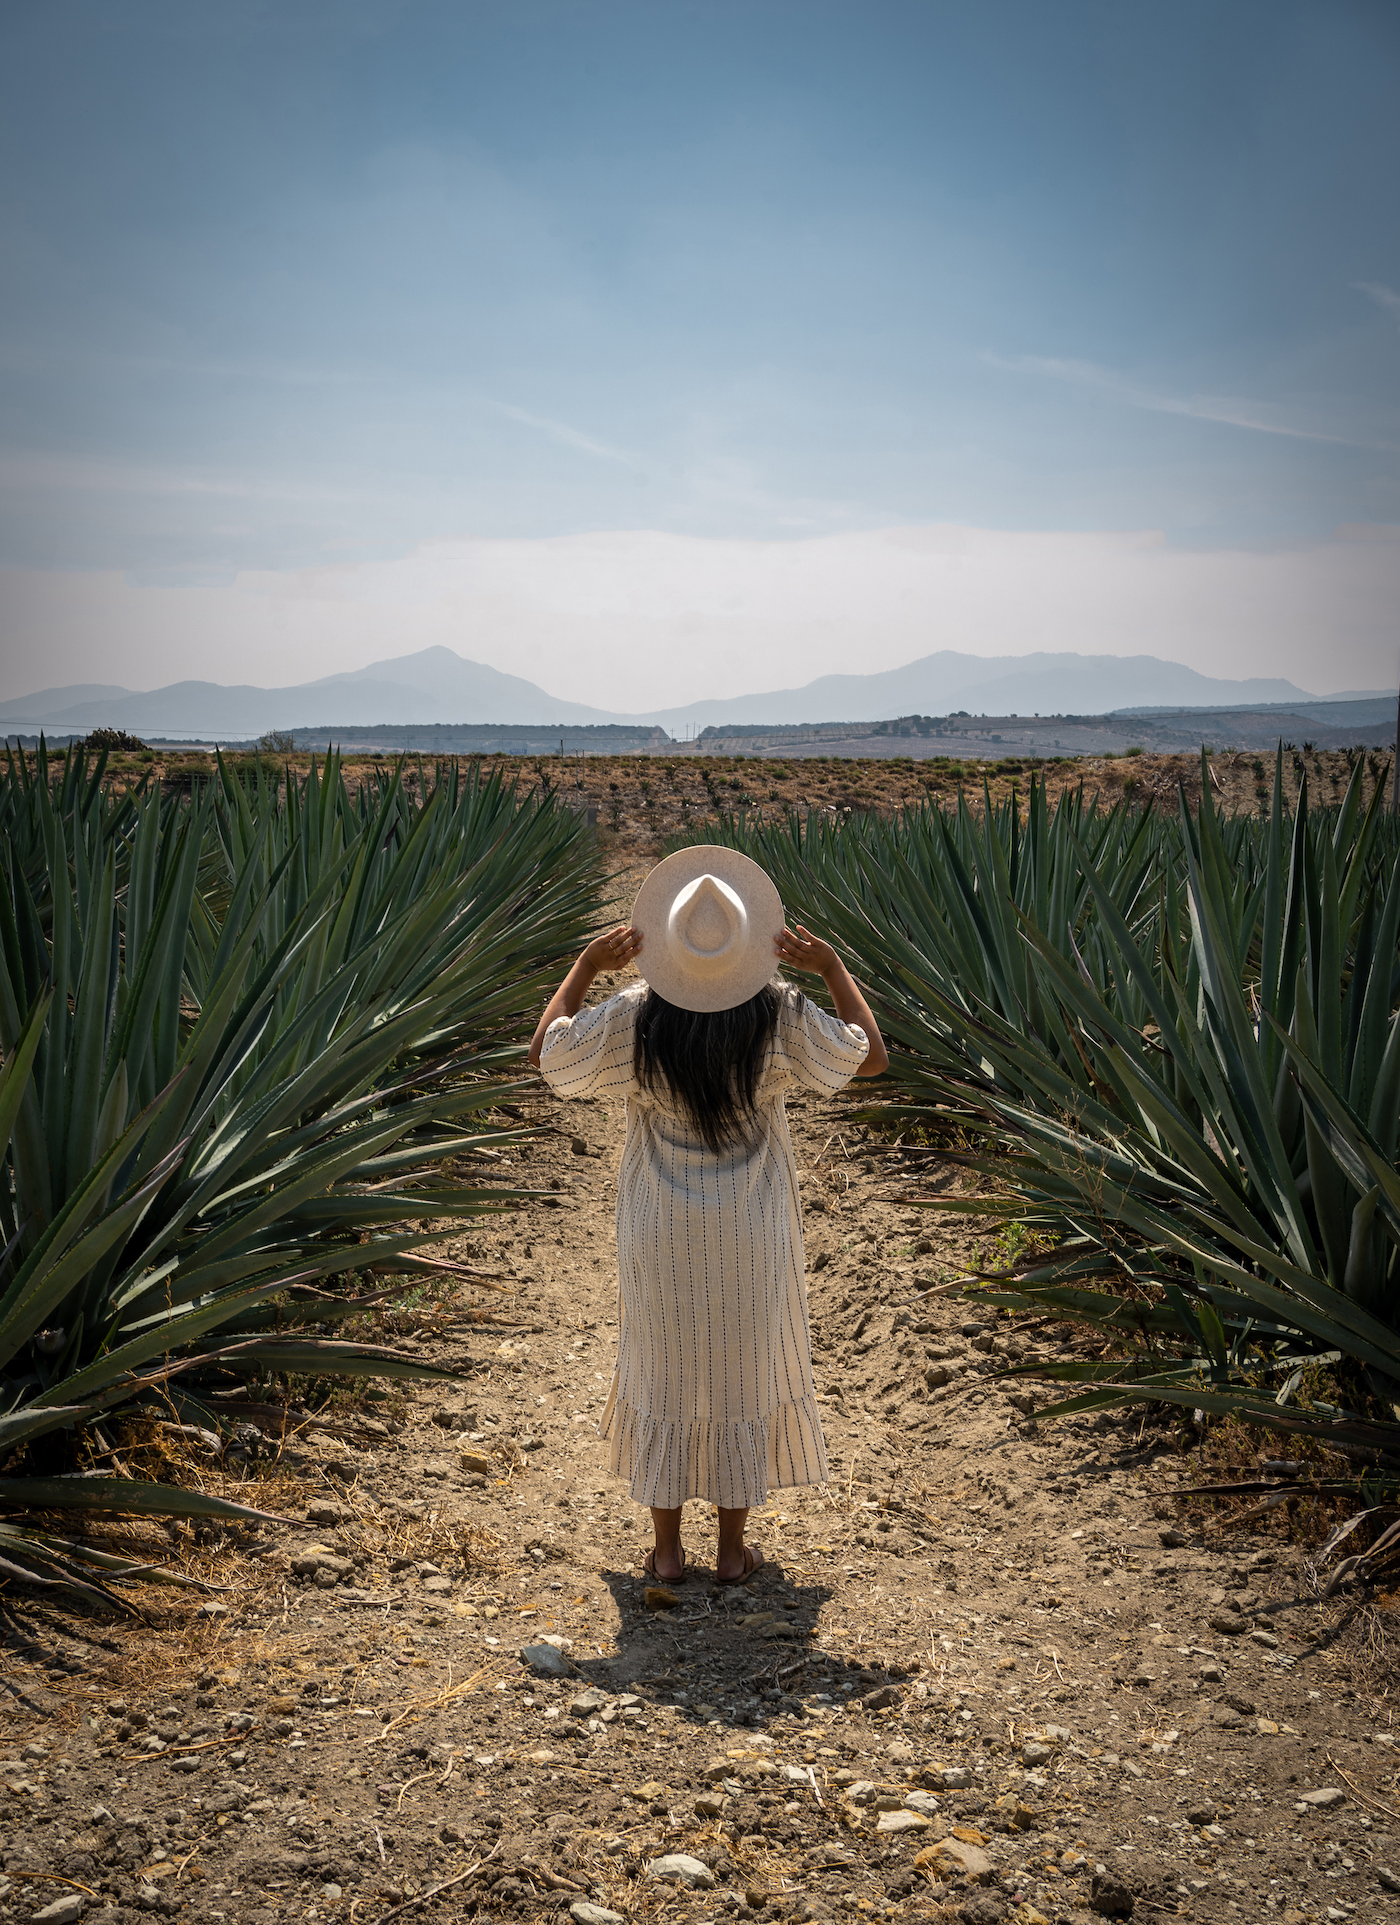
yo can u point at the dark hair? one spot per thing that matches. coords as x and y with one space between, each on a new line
709 1060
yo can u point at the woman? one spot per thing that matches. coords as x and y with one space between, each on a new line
712 1395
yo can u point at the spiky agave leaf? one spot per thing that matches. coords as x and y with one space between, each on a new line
272 1013
1178 1043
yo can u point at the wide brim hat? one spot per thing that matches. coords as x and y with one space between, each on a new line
708 919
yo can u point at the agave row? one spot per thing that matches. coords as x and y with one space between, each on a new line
250 1040
1177 1037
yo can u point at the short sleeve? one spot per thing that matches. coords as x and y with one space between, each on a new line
591 1054
816 1050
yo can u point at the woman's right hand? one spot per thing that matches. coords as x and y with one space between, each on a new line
614 951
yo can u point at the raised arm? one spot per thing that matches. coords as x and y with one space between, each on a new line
803 950
613 951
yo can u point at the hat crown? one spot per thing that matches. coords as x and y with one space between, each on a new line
708 920
707 916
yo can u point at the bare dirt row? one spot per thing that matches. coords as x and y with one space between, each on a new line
997 1671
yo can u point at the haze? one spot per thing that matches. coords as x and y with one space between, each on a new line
658 353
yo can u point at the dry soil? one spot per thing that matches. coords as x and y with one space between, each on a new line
994 1672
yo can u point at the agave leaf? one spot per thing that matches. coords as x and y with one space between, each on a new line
124 1495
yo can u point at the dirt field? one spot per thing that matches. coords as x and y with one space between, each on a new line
995 1672
638 801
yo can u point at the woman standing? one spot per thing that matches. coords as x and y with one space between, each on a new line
712 1396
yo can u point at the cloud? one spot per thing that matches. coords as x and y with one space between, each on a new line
1383 296
569 437
1230 411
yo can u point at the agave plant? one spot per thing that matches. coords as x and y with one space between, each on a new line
1178 1040
247 1040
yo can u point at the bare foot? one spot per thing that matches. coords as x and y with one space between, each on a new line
739 1573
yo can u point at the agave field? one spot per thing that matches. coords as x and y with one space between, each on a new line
253 1043
1172 1039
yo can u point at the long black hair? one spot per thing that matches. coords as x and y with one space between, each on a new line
709 1061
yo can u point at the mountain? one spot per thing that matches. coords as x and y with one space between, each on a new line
438 685
1001 685
435 685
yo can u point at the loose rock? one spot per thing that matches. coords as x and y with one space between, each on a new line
62 1911
1109 1896
678 1868
546 1661
899 1822
953 1858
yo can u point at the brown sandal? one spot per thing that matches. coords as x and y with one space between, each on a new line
752 1563
649 1566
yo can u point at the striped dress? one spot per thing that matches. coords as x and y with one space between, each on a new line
712 1395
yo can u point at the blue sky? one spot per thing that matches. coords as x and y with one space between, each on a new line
295 286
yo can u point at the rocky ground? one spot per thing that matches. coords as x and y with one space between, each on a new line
994 1672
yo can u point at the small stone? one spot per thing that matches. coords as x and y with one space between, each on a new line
955 1778
1324 1799
472 1460
437 1586
1266 1638
1266 1727
862 1792
330 1891
711 1804
579 1146
62 1911
587 1702
651 1793
1230 1624
1387 1879
325 1512
901 1821
1033 1753
1171 1540
546 1661
883 1696
679 1868
589 1914
716 1770
657 1598
1211 1672
952 1858
795 1775
1109 1896
923 1802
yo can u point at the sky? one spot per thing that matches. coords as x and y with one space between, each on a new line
375 305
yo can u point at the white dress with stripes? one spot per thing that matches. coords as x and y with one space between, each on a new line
712 1395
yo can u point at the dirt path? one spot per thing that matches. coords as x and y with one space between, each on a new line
979 1678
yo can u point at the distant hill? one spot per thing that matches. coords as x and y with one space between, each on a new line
438 686
434 685
1002 685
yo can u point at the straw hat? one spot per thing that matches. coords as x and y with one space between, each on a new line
708 918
